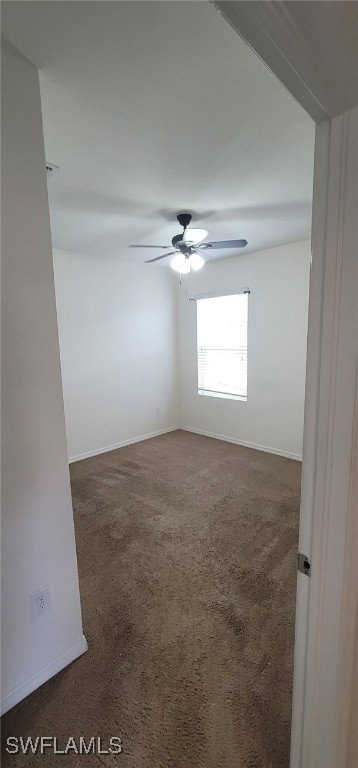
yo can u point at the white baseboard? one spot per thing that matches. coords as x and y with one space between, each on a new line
45 673
122 444
255 446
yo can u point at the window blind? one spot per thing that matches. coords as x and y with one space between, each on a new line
222 345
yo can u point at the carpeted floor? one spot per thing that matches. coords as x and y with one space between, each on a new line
187 560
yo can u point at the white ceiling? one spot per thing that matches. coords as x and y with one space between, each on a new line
151 108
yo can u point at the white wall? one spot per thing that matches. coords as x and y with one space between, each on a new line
38 544
272 417
118 343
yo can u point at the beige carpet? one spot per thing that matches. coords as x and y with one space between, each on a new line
187 559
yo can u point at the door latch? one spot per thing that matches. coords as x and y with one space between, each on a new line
304 565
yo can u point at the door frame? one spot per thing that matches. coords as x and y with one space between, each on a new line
325 622
324 734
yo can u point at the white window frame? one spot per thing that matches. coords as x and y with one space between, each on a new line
215 393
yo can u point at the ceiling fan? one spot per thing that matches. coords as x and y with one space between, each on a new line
189 247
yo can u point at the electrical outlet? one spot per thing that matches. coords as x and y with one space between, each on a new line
40 602
157 411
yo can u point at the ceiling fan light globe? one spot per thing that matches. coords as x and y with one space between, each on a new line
180 264
196 261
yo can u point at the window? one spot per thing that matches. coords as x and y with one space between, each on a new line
222 346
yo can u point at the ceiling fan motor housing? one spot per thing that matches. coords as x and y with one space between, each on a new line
182 247
176 240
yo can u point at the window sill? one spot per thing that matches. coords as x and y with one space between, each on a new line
223 396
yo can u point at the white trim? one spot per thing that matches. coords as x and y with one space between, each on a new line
324 716
122 444
329 649
244 443
310 432
222 395
43 675
220 294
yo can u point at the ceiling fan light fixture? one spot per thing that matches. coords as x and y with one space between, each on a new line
181 264
196 261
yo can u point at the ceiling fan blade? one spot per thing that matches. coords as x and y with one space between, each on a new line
194 235
224 244
149 246
171 253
